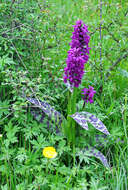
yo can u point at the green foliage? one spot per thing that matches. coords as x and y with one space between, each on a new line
34 40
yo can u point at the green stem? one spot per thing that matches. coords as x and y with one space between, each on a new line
47 166
7 174
83 105
73 111
70 128
125 119
74 97
69 119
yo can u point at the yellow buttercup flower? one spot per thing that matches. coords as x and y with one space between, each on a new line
49 152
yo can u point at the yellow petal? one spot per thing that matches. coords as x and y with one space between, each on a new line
49 152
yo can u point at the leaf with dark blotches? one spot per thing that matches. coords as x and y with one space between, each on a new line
40 116
91 151
82 118
54 115
103 140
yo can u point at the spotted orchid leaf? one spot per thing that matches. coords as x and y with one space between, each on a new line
91 151
52 114
103 140
40 116
82 118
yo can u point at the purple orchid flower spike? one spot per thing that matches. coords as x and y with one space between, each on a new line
78 55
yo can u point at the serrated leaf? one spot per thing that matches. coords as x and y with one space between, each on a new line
91 151
83 117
